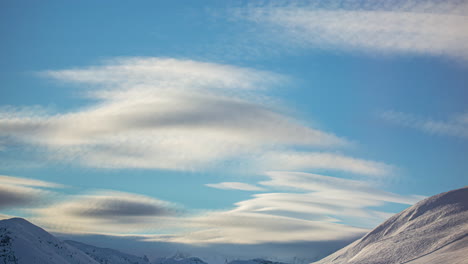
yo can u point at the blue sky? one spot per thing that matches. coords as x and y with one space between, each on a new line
202 122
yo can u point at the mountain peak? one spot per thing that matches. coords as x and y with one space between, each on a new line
17 220
24 242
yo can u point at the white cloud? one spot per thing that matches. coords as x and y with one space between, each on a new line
291 160
340 188
316 211
254 228
4 179
322 198
183 115
456 126
165 113
310 207
107 211
168 73
234 186
16 192
19 196
431 27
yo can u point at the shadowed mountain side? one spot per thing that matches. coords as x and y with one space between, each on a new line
23 243
107 255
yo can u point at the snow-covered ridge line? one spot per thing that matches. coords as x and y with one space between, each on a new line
434 230
23 242
107 255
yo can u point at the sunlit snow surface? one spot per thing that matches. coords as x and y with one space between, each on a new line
434 230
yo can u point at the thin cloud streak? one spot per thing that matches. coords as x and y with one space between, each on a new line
298 161
234 186
4 179
455 127
16 192
167 73
341 187
433 28
255 228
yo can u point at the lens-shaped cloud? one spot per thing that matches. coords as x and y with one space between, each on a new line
165 114
107 211
16 192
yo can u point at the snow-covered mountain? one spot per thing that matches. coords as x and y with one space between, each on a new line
179 258
24 243
107 255
434 230
254 261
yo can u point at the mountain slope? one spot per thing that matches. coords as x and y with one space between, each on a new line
106 255
24 243
434 230
254 261
179 258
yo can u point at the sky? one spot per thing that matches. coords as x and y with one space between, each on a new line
222 126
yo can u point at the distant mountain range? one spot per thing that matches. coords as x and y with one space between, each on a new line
22 242
434 230
106 255
179 258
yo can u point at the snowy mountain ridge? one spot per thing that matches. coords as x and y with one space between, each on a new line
107 255
255 261
22 242
434 230
179 259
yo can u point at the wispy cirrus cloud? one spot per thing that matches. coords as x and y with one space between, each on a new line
341 188
311 208
4 179
256 228
298 161
322 198
419 27
456 126
166 73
